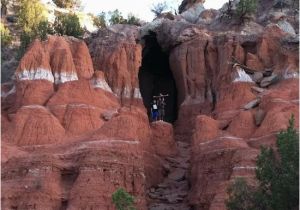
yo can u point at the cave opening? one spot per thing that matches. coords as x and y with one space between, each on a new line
155 77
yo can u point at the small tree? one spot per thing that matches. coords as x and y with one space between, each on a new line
69 4
228 12
30 14
68 24
6 37
158 8
25 38
245 7
123 200
100 20
44 28
241 195
132 20
116 17
278 177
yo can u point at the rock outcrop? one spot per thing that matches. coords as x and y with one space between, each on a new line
74 126
58 128
57 60
115 51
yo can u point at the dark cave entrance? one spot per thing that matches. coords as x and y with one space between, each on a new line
155 77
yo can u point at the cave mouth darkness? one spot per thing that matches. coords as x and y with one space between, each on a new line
155 77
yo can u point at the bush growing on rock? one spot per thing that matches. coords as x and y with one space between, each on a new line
69 4
245 8
33 23
241 195
123 200
278 177
132 20
68 24
100 20
44 28
116 17
30 14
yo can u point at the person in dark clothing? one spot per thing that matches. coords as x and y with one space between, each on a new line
161 105
161 108
154 111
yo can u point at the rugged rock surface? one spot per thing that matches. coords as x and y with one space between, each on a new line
58 60
54 129
88 132
115 51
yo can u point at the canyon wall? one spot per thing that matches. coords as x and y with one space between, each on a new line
74 127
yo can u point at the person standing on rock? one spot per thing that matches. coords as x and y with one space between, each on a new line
154 111
161 107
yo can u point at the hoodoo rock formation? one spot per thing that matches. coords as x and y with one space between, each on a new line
76 119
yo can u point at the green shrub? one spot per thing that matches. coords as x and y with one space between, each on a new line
246 7
116 17
30 14
44 28
241 195
100 20
123 200
278 177
69 4
6 37
68 24
40 32
132 20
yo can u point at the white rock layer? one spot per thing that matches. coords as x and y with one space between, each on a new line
101 83
35 74
242 76
46 74
63 77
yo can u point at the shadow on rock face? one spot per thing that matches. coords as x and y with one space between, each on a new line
155 77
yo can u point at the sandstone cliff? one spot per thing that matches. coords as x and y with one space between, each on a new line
75 121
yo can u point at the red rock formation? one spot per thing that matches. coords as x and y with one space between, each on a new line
220 156
72 145
56 173
76 176
163 139
58 60
35 125
115 52
132 125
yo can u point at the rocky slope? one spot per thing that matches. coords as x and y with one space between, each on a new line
75 124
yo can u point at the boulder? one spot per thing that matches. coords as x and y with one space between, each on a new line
259 116
257 77
186 4
286 27
252 104
267 81
192 14
258 89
